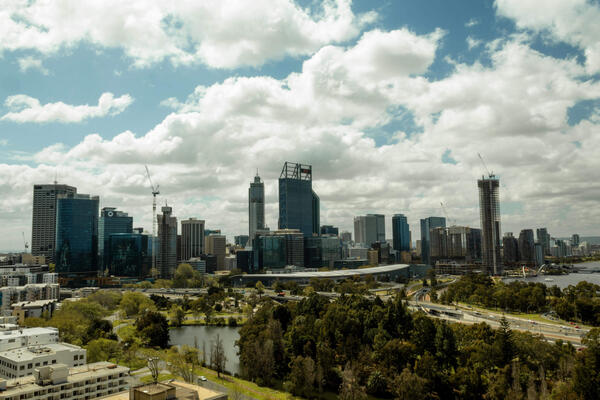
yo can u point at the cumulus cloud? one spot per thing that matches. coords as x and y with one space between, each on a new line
27 63
574 22
204 154
182 32
28 109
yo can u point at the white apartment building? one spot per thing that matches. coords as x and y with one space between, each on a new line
58 382
16 338
21 362
30 292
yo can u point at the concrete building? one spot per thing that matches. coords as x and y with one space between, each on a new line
369 229
30 259
192 238
460 244
256 207
489 209
21 362
544 238
30 292
77 235
172 390
59 382
166 259
358 252
216 245
427 224
43 229
111 221
35 309
299 205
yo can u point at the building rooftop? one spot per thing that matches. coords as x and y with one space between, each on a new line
338 273
183 391
30 353
34 304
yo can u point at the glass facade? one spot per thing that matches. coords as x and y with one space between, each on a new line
270 252
111 221
401 233
77 235
127 255
299 206
321 251
427 225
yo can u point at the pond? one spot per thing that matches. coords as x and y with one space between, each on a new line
205 336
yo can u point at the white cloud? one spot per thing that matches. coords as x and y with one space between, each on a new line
218 33
471 23
28 109
205 152
472 42
27 63
573 21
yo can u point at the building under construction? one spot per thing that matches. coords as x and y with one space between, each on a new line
489 209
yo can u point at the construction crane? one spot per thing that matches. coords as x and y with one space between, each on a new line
155 192
450 221
490 174
25 244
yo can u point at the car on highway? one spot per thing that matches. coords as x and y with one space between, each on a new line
202 378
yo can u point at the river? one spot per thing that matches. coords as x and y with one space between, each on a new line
206 335
563 281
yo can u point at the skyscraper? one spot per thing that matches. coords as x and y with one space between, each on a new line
166 259
111 221
489 211
216 245
400 233
427 225
527 246
575 239
43 229
256 207
192 238
329 230
510 247
298 204
544 238
77 234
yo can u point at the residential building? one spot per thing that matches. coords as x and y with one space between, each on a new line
510 246
10 295
544 238
216 245
22 361
33 309
400 233
427 224
166 259
58 381
192 238
489 210
43 229
256 207
299 205
77 235
527 246
111 221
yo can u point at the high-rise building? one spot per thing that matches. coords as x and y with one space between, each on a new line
128 255
539 254
544 238
527 246
427 224
321 251
192 238
77 234
346 237
510 247
166 258
43 229
216 245
298 204
369 229
400 232
276 249
489 211
329 230
111 221
575 240
241 240
256 207
458 243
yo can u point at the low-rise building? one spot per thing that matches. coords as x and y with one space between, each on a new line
30 292
35 309
58 382
173 390
15 338
22 361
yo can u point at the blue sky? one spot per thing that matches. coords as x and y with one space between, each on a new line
390 101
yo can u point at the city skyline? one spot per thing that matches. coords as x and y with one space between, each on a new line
390 103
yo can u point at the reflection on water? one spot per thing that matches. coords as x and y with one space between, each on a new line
563 281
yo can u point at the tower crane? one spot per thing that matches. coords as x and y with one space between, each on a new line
450 221
25 244
155 192
490 174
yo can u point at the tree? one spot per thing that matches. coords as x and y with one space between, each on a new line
176 315
260 288
153 329
183 274
302 377
350 389
218 359
181 362
107 299
134 303
410 386
103 350
503 346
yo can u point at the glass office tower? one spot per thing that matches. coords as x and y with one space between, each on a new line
77 235
111 221
298 204
127 255
400 232
427 225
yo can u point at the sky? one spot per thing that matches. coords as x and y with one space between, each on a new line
390 102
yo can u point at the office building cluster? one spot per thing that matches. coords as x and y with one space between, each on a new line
84 243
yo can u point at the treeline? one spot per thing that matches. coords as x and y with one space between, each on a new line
574 303
357 347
